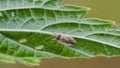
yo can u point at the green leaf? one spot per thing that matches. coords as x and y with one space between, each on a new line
27 28
13 4
6 58
20 52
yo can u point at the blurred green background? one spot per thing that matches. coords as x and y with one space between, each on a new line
105 9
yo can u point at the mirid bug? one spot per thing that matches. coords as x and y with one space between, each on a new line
65 39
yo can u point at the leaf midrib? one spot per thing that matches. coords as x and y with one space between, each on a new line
50 33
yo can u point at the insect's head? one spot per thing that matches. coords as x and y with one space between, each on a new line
58 36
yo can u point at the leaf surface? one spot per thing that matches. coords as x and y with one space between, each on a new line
29 24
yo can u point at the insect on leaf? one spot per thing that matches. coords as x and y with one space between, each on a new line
27 28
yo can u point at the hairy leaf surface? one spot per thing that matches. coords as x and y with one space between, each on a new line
27 28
